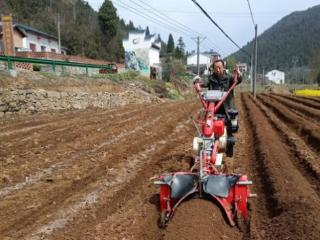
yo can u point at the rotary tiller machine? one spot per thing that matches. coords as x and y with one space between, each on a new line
206 178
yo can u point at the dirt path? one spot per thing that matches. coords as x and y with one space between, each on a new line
86 174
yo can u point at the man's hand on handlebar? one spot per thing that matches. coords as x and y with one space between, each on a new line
196 79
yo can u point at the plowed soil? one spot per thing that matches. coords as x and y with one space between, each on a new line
86 174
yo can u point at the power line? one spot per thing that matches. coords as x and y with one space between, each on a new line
251 13
227 36
171 19
209 41
177 22
152 19
159 22
164 19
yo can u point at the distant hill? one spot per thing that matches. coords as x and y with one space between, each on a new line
294 39
81 32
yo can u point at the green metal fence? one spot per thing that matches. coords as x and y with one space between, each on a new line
12 59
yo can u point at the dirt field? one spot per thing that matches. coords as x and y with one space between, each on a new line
86 174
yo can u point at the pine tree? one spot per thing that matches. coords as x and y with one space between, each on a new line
170 44
108 19
180 49
163 49
147 32
130 26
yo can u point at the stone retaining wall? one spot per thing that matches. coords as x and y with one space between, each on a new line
32 101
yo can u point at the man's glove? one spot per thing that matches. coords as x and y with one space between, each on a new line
196 79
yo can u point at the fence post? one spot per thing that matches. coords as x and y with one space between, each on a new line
53 64
87 71
9 63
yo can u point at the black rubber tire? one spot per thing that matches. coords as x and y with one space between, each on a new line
163 220
241 223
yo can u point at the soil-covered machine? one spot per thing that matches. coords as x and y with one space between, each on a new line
206 178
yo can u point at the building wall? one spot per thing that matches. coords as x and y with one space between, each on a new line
203 60
243 68
136 41
276 76
154 56
17 39
139 54
41 41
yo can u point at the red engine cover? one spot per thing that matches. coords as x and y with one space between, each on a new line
218 127
208 127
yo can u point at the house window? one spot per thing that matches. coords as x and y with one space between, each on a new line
43 48
32 47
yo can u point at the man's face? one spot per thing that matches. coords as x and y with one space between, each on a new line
218 69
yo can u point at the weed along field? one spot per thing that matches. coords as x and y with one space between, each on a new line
87 173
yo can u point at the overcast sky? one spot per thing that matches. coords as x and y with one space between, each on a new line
184 18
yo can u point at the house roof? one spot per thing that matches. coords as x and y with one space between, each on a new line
18 29
155 46
207 54
26 29
137 31
195 54
275 70
149 37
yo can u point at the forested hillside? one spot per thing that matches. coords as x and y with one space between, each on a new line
293 41
83 30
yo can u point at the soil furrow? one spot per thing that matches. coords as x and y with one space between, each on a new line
304 111
308 131
302 100
293 197
305 161
52 193
24 161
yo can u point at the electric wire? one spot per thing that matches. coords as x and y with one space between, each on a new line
176 28
150 18
251 13
226 35
166 17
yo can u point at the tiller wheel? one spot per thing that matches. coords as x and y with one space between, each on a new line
205 180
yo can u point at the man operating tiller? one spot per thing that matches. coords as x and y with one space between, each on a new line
221 80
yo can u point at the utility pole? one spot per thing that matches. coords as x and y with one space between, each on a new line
198 52
295 60
263 76
59 38
255 60
251 70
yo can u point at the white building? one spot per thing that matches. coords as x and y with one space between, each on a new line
276 76
243 68
205 60
142 52
37 41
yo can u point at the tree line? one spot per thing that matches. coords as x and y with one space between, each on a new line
83 30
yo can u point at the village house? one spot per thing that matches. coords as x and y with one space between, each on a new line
276 76
243 68
142 52
205 60
32 40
